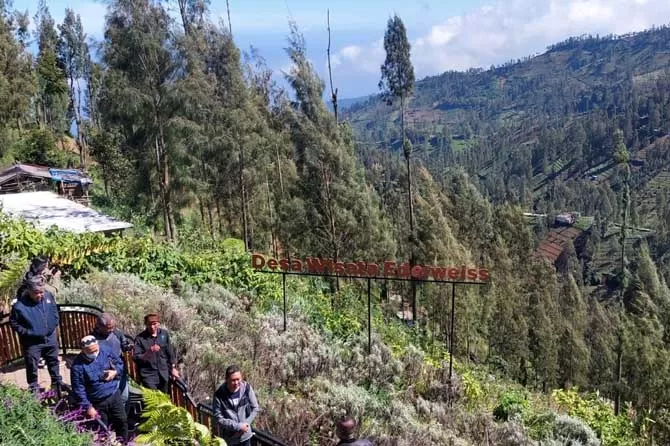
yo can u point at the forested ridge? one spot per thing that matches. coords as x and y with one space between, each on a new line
190 138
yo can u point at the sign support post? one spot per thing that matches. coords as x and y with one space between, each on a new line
369 318
283 279
451 336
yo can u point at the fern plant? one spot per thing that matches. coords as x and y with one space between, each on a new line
166 424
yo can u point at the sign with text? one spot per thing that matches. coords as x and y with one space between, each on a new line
388 269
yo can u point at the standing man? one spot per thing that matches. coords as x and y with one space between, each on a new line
34 316
235 408
95 377
107 334
154 355
345 430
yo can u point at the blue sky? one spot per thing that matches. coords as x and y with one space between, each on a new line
445 35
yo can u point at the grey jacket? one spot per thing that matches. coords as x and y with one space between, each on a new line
231 417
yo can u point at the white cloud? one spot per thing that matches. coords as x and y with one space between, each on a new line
506 30
351 52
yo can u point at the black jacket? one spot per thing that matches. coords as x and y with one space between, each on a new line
159 363
35 322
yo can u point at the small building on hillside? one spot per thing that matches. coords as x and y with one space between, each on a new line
46 209
566 219
69 183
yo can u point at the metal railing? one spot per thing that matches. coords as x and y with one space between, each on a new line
76 321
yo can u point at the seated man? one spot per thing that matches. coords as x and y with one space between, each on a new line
154 355
235 408
94 374
34 316
106 333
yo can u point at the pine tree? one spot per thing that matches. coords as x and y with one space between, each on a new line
397 82
17 82
52 93
73 51
142 96
333 212
622 158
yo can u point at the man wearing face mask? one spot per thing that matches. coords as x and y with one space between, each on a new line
108 334
94 374
34 317
154 355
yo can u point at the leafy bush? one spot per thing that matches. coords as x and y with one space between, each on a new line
512 403
598 414
225 263
39 147
24 421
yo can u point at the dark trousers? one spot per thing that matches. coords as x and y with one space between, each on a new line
112 411
155 382
31 356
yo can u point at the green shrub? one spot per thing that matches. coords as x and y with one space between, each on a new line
599 415
24 421
512 403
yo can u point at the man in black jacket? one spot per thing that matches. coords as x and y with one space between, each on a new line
235 408
34 317
154 355
345 430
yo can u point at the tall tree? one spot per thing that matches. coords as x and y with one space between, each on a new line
333 213
192 13
73 51
622 158
17 82
142 95
397 82
52 93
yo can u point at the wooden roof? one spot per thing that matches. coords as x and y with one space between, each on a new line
556 242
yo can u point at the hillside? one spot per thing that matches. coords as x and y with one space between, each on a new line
539 132
198 146
572 77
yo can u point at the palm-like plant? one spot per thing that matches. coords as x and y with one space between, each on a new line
12 269
166 424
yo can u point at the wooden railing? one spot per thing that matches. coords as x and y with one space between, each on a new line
76 321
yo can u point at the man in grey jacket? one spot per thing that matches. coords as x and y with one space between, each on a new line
235 408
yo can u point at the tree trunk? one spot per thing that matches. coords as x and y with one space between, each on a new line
243 198
211 217
407 153
619 355
81 137
164 184
161 186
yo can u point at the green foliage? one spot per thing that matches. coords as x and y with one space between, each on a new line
39 147
12 271
512 404
23 421
155 262
599 415
340 315
166 424
473 391
397 80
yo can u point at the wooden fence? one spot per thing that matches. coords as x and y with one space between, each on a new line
76 321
